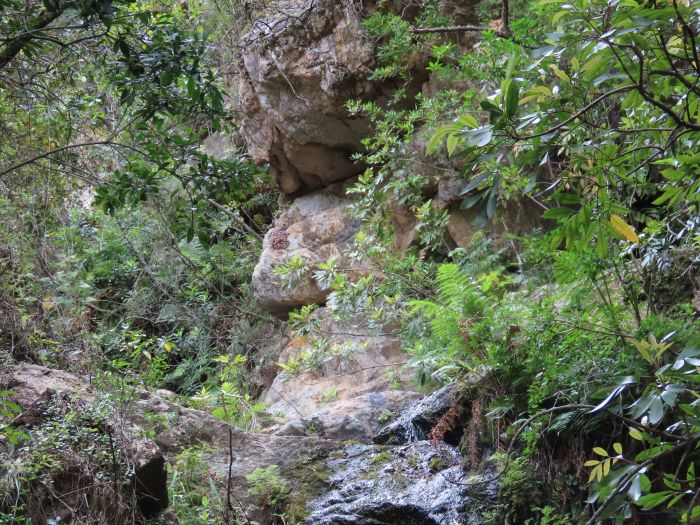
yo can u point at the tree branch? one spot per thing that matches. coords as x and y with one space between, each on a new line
15 45
576 115
459 29
505 17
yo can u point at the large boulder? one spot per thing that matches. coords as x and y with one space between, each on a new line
298 71
358 418
350 361
48 397
315 228
178 427
343 386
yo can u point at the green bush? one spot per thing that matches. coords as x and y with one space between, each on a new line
268 485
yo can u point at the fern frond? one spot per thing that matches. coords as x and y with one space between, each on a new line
452 284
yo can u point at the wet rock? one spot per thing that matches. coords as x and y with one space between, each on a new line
416 421
360 417
414 484
314 228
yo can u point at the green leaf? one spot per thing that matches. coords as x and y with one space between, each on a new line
512 98
649 501
559 73
452 141
595 473
636 434
656 411
479 137
690 476
557 213
467 121
675 500
635 490
438 137
475 182
495 112
470 201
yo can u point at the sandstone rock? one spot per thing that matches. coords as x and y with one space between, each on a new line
315 228
358 418
31 382
182 427
517 219
404 223
298 72
40 392
355 363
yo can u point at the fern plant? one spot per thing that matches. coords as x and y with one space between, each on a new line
445 328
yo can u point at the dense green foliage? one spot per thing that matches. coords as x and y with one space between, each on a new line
120 118
590 111
126 250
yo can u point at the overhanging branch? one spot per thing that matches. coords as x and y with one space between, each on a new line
458 29
12 48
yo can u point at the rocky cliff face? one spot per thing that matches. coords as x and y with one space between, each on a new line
178 427
315 228
298 71
405 479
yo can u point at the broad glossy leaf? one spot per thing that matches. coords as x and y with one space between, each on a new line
512 97
479 137
636 434
475 182
656 411
622 383
649 501
558 213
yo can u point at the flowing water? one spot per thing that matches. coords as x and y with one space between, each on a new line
403 478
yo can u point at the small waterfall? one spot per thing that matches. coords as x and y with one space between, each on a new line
403 478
